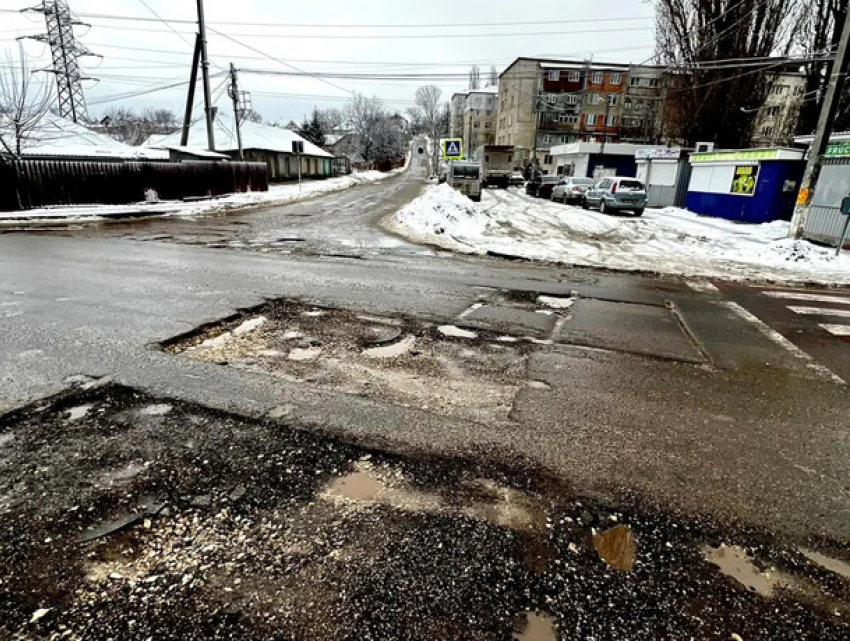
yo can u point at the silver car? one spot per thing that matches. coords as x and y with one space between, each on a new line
616 194
571 189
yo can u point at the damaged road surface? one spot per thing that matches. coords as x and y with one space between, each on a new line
140 517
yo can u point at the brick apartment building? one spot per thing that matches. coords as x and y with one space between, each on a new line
473 118
543 103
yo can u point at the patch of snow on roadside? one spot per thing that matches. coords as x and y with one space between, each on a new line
669 241
249 325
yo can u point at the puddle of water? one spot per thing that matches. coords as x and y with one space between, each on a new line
391 351
314 314
505 507
250 325
456 332
271 353
159 409
828 563
617 548
507 339
545 312
393 322
736 562
308 354
538 627
6 438
76 413
366 488
289 336
537 385
556 303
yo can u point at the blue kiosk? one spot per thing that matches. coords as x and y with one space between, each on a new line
746 185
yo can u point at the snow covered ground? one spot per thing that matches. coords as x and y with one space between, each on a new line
668 241
277 195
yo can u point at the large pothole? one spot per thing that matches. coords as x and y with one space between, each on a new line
470 375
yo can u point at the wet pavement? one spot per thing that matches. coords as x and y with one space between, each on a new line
477 448
153 518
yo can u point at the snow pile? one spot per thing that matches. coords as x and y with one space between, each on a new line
443 210
276 195
669 241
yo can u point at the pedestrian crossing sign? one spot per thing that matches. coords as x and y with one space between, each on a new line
452 149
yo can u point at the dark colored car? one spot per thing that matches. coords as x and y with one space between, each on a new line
517 179
542 187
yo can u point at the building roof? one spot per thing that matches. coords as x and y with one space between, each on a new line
489 89
254 136
550 63
612 148
55 136
193 151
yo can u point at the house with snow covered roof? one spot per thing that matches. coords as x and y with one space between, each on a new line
261 143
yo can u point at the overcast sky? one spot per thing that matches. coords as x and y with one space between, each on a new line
351 36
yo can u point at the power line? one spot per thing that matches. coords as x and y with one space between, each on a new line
362 26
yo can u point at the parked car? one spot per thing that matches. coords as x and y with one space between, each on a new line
571 189
517 179
542 186
616 194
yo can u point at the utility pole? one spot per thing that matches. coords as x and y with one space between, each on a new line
605 123
190 97
234 95
822 133
65 52
205 70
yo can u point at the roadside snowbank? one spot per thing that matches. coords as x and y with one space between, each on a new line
669 241
276 195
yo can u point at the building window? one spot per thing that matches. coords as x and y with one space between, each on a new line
597 77
547 139
590 120
627 103
593 99
613 99
574 76
486 125
773 111
612 120
510 120
572 99
554 76
547 159
634 82
653 82
616 78
767 131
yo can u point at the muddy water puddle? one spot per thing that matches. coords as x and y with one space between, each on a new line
537 627
438 368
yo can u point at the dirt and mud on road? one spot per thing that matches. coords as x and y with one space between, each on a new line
129 517
445 369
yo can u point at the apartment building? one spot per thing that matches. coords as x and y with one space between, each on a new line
456 108
776 122
543 103
479 119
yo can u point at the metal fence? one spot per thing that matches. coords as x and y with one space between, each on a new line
28 184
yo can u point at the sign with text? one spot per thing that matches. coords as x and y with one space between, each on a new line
838 149
452 149
744 183
658 154
743 155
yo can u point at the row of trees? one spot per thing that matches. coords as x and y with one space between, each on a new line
721 102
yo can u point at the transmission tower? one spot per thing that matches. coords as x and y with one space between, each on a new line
65 51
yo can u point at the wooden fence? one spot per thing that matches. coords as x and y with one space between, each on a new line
28 184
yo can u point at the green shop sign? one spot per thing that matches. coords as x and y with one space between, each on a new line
838 149
737 156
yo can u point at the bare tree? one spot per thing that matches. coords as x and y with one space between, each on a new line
474 78
378 138
427 100
249 115
23 104
815 33
711 101
331 119
493 76
126 126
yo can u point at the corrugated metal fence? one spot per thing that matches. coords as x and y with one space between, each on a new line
28 184
825 222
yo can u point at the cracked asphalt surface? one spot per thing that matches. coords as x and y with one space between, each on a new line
645 401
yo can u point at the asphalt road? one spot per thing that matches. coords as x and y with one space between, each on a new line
700 401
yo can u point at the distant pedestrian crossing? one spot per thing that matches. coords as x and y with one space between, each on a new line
835 316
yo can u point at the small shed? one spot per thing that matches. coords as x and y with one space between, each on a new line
825 222
747 185
596 160
666 174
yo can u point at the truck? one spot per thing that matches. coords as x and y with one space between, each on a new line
465 177
497 162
